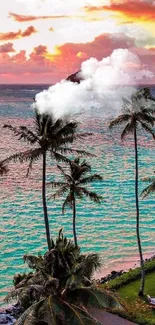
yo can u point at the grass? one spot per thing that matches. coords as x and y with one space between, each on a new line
139 308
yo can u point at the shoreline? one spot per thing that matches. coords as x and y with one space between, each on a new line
121 265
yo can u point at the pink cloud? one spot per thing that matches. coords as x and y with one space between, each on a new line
24 18
7 48
19 34
41 66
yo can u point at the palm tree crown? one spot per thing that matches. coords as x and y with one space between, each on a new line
74 183
49 135
60 288
140 111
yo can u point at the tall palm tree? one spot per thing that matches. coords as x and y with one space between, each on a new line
60 289
74 179
150 188
137 112
48 135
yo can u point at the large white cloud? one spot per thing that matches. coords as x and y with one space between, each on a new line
102 87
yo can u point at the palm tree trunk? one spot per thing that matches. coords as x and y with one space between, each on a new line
141 290
44 201
74 217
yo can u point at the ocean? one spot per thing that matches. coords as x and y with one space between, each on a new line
108 228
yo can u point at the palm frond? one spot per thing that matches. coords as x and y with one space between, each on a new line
94 297
89 264
77 315
128 129
56 184
91 195
90 179
148 129
148 190
23 133
147 118
148 179
34 262
34 154
119 120
68 201
82 153
80 169
29 315
63 172
68 129
59 157
60 192
3 169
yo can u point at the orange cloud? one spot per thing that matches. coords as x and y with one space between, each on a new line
23 18
136 9
44 67
7 48
19 34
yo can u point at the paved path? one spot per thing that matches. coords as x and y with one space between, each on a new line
110 319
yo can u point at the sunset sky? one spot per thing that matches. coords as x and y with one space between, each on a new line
43 41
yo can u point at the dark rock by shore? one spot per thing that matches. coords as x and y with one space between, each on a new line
113 275
8 314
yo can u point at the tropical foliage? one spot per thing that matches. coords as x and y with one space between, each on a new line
60 289
48 135
74 186
137 112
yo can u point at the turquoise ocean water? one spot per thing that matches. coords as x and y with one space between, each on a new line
108 228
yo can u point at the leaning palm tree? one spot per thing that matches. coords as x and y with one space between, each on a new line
74 179
60 289
49 135
150 188
137 112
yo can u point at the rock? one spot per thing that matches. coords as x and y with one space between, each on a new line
6 319
113 275
8 314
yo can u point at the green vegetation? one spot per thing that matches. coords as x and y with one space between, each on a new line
74 181
60 289
138 309
137 113
130 276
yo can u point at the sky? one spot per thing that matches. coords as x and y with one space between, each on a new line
44 41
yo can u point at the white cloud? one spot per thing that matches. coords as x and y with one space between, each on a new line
102 87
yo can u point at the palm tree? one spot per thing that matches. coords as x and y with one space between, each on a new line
73 183
60 289
150 188
49 135
137 112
